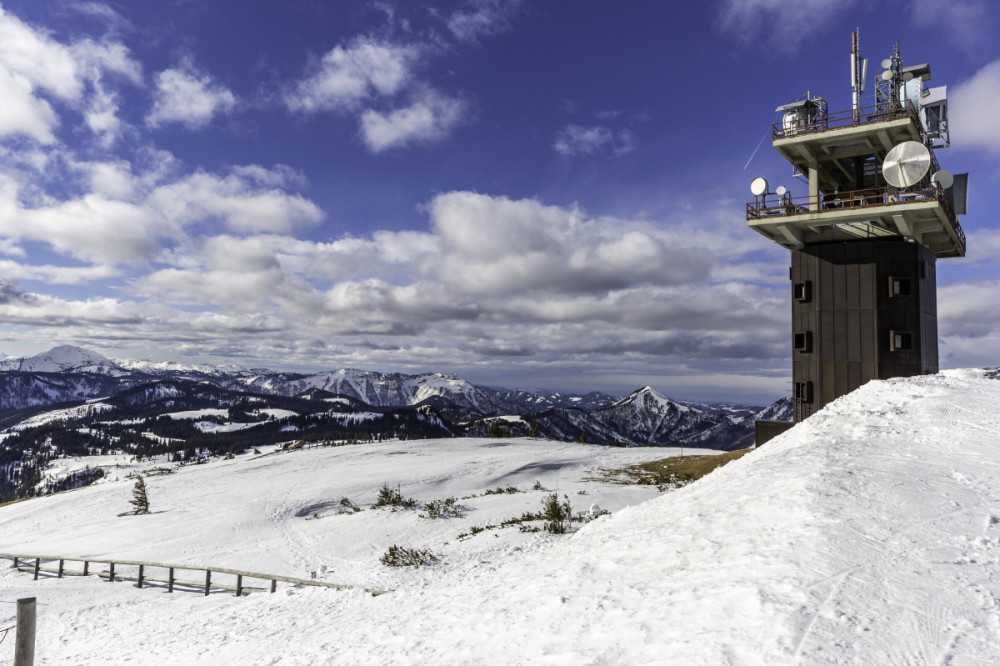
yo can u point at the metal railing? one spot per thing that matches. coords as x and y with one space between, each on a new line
141 576
863 116
760 208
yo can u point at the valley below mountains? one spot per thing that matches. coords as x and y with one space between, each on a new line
71 402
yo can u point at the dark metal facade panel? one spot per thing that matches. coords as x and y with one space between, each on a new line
767 430
853 310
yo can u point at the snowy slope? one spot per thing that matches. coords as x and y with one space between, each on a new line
868 534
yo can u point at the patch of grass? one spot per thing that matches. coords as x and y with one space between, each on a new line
401 556
669 472
538 486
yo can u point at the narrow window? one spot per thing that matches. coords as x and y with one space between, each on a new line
802 341
899 287
803 391
802 291
900 341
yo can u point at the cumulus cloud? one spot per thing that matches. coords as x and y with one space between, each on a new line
35 70
971 107
429 118
31 64
125 217
188 97
240 206
587 140
482 18
349 75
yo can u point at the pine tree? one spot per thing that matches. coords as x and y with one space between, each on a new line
139 499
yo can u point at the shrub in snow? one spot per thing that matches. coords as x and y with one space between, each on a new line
401 556
446 508
557 515
509 490
347 506
538 486
391 497
139 501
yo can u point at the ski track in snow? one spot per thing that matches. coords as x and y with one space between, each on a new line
869 534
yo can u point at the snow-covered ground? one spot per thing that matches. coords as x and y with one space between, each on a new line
869 534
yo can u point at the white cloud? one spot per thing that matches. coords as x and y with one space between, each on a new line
586 140
191 98
347 76
36 70
781 23
429 118
32 64
966 23
972 110
482 18
239 205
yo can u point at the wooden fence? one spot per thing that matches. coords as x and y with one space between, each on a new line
33 564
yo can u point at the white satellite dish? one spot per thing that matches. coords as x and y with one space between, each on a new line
906 164
886 64
887 75
758 186
943 178
907 76
780 190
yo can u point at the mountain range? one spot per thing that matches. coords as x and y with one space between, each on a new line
72 401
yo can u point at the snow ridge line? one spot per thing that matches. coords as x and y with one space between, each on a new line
170 580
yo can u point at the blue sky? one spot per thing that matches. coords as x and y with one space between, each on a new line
544 194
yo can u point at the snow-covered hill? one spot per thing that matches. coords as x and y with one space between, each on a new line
867 534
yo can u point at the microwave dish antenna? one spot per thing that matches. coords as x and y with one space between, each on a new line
780 190
943 179
758 186
906 164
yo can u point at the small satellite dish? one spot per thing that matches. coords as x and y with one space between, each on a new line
907 76
887 75
886 64
758 186
906 164
944 179
781 189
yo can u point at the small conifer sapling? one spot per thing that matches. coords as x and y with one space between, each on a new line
139 501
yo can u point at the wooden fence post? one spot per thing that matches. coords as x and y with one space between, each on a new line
170 580
208 580
24 643
61 565
86 568
274 585
38 565
239 584
140 575
111 574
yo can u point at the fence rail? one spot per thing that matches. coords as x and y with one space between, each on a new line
33 564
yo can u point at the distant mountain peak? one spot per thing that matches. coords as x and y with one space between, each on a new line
58 359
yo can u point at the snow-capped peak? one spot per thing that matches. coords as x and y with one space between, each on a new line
60 359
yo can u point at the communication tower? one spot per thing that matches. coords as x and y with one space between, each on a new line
865 240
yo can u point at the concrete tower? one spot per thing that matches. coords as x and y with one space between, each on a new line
865 240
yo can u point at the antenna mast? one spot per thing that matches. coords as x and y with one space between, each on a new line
859 72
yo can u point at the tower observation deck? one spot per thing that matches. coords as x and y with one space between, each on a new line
865 238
